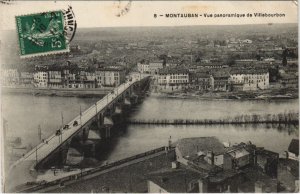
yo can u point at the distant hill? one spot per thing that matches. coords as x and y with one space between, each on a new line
86 36
136 32
107 33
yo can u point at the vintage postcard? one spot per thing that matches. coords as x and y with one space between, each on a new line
149 96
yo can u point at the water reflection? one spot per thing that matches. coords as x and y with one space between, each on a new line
24 113
140 138
170 108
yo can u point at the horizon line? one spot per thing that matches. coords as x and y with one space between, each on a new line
295 23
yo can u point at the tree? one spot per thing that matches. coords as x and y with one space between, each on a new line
284 54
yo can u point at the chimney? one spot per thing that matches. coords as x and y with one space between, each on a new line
211 156
175 165
287 155
258 187
203 184
254 157
170 142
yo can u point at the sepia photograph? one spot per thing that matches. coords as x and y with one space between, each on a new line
127 96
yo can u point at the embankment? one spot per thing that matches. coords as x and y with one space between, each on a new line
64 92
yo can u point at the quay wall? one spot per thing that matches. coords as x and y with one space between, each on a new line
64 92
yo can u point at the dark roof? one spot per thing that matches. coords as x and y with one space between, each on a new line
156 61
111 68
199 75
202 75
253 175
289 76
223 175
212 64
173 71
294 146
292 164
191 146
249 71
175 180
220 74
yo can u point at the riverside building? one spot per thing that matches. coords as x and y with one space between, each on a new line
170 80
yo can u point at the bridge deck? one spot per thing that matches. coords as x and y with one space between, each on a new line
43 149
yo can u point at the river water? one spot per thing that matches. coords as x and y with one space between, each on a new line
25 113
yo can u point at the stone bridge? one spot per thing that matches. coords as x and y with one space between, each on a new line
98 119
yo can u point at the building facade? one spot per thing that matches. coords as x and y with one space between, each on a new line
143 67
9 77
200 81
155 66
110 77
252 79
219 82
170 80
55 79
40 79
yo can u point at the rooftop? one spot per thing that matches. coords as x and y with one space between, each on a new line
111 68
176 180
238 153
192 146
294 146
173 71
293 165
254 175
202 75
249 71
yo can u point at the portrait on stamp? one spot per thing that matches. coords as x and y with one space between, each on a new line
41 33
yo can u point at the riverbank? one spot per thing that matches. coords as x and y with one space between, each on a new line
62 92
290 118
271 94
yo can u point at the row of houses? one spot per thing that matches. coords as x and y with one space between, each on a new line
154 66
150 67
174 79
103 77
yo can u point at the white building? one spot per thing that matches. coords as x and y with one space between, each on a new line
90 76
155 66
169 80
9 77
26 78
248 41
41 79
251 79
143 67
110 77
55 79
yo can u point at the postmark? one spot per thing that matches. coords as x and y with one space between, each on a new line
6 2
70 24
45 33
123 8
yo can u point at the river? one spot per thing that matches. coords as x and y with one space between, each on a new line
25 113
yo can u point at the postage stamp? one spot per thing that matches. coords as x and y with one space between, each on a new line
41 34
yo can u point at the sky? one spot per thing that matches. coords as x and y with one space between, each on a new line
141 13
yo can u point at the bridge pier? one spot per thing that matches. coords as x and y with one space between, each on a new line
57 159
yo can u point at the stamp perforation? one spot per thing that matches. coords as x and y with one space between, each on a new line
46 53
